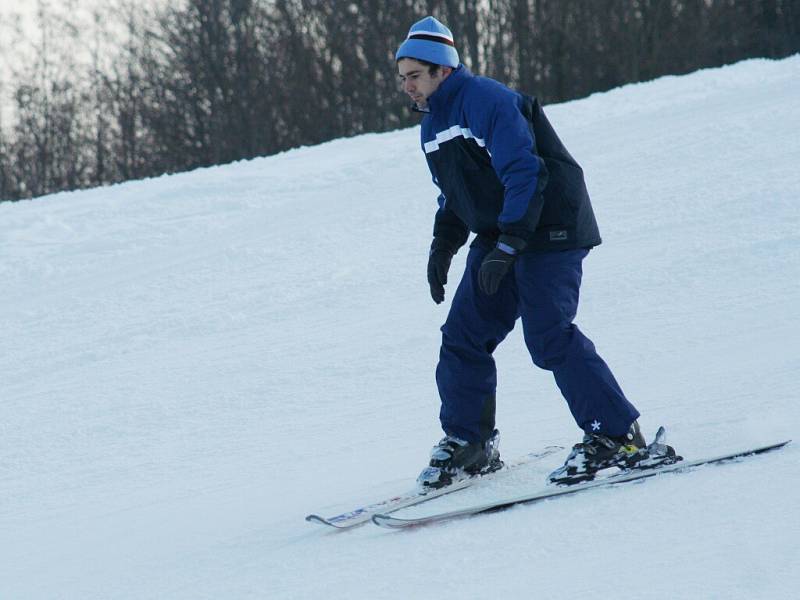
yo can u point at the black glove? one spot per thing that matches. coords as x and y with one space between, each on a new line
499 262
438 264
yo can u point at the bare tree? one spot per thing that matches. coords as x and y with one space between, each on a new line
205 82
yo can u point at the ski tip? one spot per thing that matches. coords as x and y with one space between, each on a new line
387 522
335 522
780 444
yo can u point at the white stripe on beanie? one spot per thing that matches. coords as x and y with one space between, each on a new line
431 33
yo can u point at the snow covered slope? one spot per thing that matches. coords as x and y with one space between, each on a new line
190 364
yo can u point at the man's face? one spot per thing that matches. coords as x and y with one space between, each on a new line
417 81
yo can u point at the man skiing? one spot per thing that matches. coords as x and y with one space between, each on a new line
504 175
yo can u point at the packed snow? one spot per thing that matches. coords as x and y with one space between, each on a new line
193 363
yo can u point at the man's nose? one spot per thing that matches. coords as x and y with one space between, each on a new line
408 86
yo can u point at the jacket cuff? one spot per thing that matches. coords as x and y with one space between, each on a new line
511 244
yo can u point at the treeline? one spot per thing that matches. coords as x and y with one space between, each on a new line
131 93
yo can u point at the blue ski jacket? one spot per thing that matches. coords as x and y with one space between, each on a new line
502 169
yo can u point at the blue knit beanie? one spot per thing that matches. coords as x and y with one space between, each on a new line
431 41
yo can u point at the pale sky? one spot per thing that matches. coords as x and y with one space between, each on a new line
18 6
27 8
12 49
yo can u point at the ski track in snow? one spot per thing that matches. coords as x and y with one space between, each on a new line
192 363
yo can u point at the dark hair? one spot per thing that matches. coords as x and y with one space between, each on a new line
432 68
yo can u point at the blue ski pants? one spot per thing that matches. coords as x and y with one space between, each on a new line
543 291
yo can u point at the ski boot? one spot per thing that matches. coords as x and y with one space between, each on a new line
598 452
453 459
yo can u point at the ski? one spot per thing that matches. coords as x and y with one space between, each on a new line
364 514
384 520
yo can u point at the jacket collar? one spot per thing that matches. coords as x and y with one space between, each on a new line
447 90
